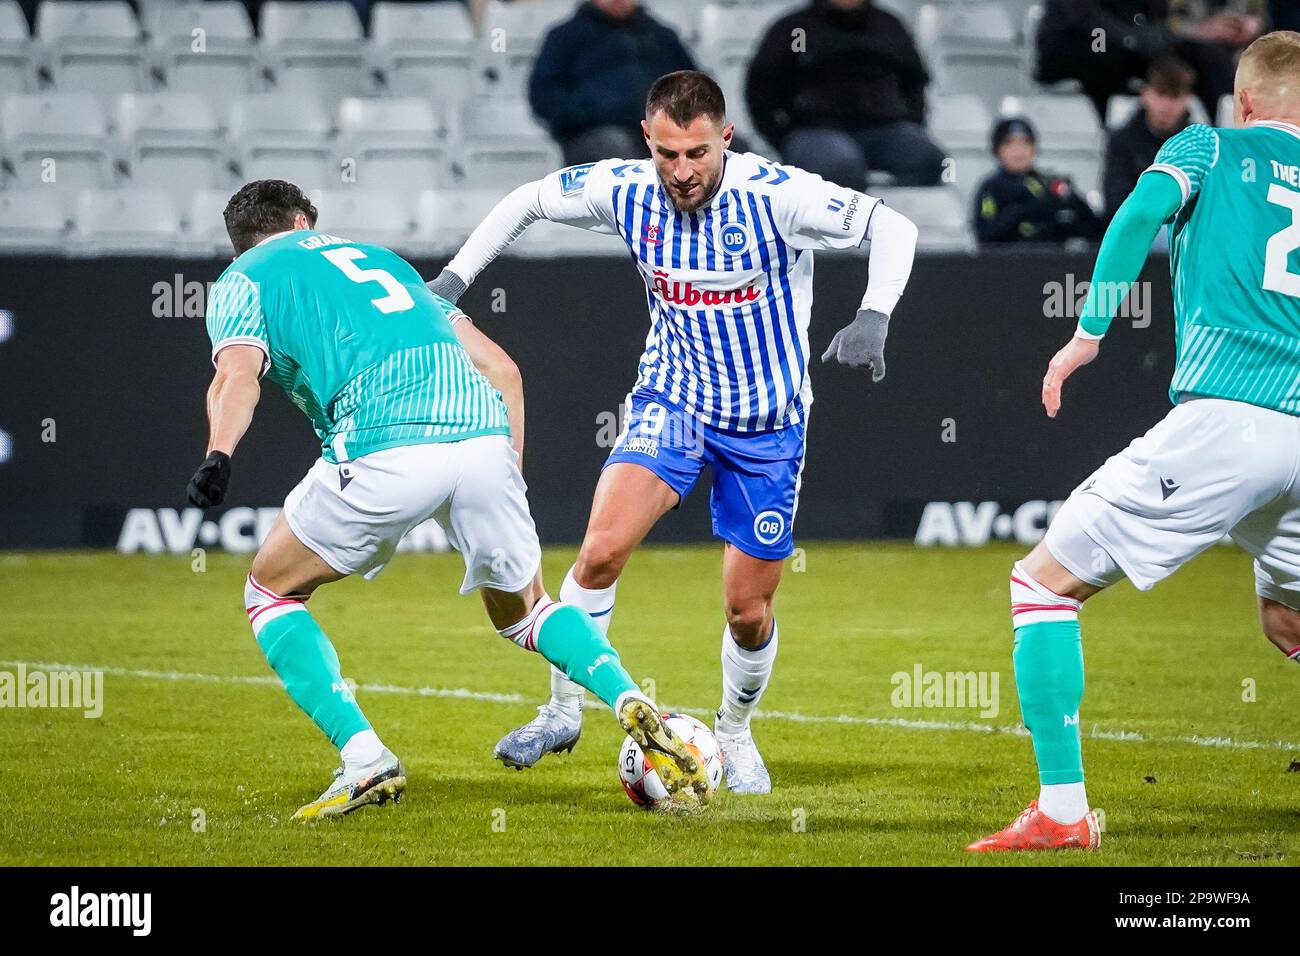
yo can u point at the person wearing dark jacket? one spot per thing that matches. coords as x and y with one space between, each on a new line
838 88
1106 44
1017 203
591 77
1131 148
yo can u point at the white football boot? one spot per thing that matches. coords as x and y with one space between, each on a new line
741 762
552 731
376 783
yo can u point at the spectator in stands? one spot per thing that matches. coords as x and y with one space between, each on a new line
1018 203
839 89
592 74
1131 148
1106 44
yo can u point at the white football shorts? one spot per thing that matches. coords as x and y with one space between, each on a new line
1210 468
354 514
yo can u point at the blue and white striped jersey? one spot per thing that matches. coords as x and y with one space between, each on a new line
729 286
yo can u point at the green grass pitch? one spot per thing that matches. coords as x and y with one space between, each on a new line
1186 766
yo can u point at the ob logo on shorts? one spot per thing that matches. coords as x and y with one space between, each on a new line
735 238
769 526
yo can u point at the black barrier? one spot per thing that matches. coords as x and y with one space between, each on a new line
104 363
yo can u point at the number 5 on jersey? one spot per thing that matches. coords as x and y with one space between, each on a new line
397 300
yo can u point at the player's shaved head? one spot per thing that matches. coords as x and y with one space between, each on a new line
1268 79
687 132
262 208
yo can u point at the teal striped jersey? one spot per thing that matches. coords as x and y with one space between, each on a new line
1235 263
357 341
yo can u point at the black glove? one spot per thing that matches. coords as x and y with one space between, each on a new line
207 488
861 343
448 285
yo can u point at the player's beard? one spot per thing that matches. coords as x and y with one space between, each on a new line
698 197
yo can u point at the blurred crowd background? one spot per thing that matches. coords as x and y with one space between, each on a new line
124 126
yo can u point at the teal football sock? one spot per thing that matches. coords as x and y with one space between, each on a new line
568 638
1048 659
298 650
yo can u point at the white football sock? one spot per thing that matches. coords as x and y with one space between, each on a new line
745 675
567 695
362 748
1063 802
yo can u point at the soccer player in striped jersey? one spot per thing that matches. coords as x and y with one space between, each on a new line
1223 461
410 429
724 242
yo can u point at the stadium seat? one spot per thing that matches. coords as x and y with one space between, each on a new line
395 143
34 219
94 46
220 62
58 139
939 214
384 217
17 65
510 37
501 145
1223 117
728 37
283 136
446 217
315 48
204 226
424 49
172 142
961 125
127 220
973 47
545 240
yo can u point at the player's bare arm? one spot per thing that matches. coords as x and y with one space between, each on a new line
232 397
1121 257
499 369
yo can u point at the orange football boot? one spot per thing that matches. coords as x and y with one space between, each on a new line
1035 830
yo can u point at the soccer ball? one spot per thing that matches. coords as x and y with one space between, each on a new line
639 778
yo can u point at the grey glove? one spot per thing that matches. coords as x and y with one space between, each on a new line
861 343
448 285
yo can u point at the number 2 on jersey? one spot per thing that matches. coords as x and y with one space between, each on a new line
397 300
1281 244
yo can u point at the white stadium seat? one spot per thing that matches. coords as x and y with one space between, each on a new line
34 219
382 217
728 38
395 143
961 124
205 228
510 38
447 216
284 136
973 47
17 65
502 145
58 139
94 46
206 48
424 49
131 219
939 214
172 141
315 47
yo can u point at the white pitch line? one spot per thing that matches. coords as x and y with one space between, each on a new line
901 723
